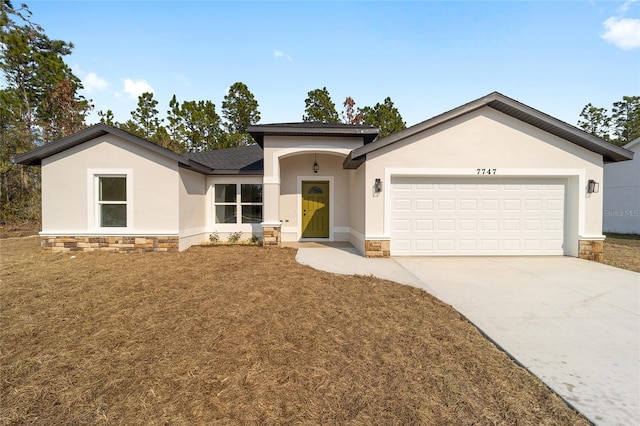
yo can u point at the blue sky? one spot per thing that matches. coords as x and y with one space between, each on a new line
427 56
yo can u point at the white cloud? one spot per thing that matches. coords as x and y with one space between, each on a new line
135 88
622 32
93 83
625 5
278 54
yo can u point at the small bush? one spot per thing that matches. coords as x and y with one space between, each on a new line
234 237
214 237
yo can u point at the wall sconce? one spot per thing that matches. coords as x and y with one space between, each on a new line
377 187
593 186
315 164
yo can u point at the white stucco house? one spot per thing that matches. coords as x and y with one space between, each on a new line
622 194
491 177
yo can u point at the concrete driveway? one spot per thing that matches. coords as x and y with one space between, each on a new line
573 323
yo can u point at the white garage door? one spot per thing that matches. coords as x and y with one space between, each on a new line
477 216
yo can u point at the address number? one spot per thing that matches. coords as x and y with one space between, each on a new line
486 171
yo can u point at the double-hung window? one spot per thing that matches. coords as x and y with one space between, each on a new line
238 203
112 201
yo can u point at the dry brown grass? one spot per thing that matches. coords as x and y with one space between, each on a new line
20 229
242 335
622 251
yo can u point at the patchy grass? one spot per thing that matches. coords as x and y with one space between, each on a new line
622 251
242 335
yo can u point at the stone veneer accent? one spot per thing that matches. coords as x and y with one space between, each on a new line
377 248
271 235
591 250
109 243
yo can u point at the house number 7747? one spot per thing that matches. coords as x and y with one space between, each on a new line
486 171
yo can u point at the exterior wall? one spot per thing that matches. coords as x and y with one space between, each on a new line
68 199
621 191
489 139
192 199
356 209
288 160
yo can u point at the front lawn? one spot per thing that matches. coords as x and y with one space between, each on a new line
242 335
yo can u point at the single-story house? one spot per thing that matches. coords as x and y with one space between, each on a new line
621 193
491 177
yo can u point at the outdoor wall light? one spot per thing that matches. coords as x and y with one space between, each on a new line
377 187
315 164
593 186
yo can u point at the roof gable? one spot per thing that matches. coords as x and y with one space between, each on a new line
507 106
35 157
631 145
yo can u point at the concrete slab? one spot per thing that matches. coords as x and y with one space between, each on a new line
575 324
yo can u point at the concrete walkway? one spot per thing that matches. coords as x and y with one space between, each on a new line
575 324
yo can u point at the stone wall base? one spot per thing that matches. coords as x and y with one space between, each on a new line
377 248
591 250
109 243
271 235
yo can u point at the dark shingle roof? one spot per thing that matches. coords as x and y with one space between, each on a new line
239 160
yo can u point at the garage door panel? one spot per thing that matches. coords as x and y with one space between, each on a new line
402 225
458 216
468 205
424 245
510 204
446 225
554 225
511 246
489 224
468 225
533 205
468 245
401 204
555 205
423 225
446 205
426 205
489 204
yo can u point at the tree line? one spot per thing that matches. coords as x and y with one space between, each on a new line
619 127
196 126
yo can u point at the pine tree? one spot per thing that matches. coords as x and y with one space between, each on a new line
319 107
385 116
240 110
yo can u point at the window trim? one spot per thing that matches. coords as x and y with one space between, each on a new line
94 203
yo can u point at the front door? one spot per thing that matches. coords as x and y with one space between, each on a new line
315 209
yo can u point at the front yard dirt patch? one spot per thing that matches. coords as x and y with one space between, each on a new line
242 335
622 251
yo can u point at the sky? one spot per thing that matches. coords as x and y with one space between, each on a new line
427 56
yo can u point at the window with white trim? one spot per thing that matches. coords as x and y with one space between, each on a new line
238 203
112 201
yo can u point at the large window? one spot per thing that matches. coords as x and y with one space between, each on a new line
112 201
238 203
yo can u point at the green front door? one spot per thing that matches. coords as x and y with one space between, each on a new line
315 209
